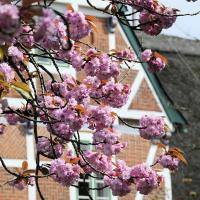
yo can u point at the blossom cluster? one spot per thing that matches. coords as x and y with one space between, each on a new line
7 71
21 184
145 178
9 23
126 54
44 146
152 127
49 29
64 173
102 66
108 141
168 161
155 62
154 17
78 25
97 162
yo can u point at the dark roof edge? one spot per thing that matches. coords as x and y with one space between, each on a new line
166 43
173 114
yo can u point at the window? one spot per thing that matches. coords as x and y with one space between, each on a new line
64 67
43 60
104 194
86 182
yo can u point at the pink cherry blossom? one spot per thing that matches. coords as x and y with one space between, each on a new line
119 183
9 23
97 162
115 94
102 67
50 31
78 25
44 146
150 23
20 183
118 187
145 178
64 173
100 117
16 54
126 54
156 64
152 127
108 142
7 71
146 55
168 161
26 36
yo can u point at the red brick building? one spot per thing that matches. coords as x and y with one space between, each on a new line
146 97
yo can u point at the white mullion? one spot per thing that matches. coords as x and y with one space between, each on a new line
136 114
111 41
13 162
151 155
168 185
29 134
15 102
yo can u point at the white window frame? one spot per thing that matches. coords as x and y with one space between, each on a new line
86 136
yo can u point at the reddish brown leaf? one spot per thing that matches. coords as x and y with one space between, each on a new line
114 114
80 108
70 7
160 145
74 160
94 27
163 58
178 154
90 18
25 165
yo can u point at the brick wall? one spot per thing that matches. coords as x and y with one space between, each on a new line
120 44
52 190
7 192
144 99
99 38
13 143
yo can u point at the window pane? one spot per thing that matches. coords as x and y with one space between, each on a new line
85 147
83 188
41 59
102 193
60 62
99 176
84 176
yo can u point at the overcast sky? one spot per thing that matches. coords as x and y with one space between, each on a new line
184 26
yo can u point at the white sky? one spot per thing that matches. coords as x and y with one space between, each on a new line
189 26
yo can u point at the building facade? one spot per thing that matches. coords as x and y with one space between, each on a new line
17 144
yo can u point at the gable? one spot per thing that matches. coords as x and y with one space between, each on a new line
145 99
170 111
